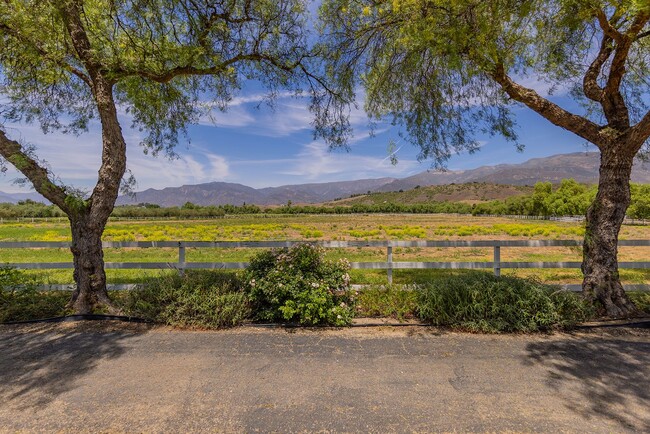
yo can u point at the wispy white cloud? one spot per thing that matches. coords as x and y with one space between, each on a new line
162 172
541 87
316 162
258 98
76 160
288 115
236 116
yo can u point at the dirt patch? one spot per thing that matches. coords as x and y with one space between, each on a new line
80 326
363 327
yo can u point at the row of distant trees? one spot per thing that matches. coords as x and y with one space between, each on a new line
567 199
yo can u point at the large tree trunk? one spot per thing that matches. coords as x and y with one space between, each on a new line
604 218
88 257
89 219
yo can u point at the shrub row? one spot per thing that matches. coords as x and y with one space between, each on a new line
297 285
482 302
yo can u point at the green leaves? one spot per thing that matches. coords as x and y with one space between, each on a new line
170 61
481 302
299 285
430 65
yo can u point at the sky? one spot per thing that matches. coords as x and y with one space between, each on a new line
259 146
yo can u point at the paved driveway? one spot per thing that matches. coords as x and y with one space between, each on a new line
89 377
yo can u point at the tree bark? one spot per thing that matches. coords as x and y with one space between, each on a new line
88 258
89 219
604 219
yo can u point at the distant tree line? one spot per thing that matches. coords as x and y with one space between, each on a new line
29 208
567 199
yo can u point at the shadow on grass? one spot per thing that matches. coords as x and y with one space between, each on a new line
605 377
39 363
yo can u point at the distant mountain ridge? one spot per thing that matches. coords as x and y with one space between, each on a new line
17 197
581 166
224 193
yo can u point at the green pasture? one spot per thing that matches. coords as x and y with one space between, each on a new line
325 227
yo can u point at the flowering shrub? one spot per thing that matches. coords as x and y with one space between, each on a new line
298 285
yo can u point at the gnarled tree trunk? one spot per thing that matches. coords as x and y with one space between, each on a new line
88 221
604 219
88 257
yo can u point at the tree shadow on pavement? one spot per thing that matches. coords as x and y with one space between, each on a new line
39 363
599 377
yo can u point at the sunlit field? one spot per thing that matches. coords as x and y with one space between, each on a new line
327 227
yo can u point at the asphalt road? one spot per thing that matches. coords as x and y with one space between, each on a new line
90 377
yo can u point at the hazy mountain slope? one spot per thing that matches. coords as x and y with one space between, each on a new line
581 166
16 197
212 193
221 193
320 192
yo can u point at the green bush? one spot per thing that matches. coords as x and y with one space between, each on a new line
298 285
203 299
20 300
485 303
387 301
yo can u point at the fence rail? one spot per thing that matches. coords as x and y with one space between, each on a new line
496 264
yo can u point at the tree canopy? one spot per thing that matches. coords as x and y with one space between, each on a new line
170 61
165 63
446 70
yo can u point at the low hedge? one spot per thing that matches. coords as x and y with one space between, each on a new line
197 299
482 302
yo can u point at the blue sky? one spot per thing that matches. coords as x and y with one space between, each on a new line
255 145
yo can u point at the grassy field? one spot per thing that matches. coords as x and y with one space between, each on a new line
328 227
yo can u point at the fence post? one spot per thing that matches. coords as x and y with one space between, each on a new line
497 261
389 258
181 258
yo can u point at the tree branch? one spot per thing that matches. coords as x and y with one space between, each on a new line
71 12
71 69
638 25
552 112
617 70
614 105
590 85
13 152
111 171
641 131
607 27
165 77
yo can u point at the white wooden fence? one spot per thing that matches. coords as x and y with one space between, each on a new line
181 264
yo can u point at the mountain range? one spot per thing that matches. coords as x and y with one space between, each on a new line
581 166
17 197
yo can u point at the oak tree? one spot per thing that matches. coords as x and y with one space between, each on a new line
447 69
67 63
